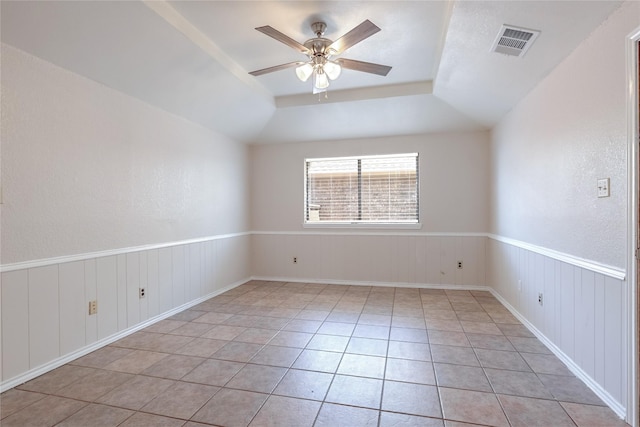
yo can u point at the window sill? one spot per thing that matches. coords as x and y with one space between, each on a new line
357 226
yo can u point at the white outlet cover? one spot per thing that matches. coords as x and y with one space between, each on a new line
603 187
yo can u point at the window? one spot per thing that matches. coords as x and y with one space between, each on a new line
367 190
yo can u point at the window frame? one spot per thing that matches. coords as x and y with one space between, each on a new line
360 224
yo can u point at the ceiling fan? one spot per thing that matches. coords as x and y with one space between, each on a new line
320 52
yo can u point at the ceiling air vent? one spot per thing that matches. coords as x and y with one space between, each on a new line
514 41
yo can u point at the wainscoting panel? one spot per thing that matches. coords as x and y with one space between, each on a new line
582 315
91 293
45 308
71 287
371 257
15 323
44 315
165 279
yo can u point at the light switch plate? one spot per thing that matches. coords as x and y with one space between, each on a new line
603 187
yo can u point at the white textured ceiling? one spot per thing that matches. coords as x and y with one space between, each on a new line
193 59
486 85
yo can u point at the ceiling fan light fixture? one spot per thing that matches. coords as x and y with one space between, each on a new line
320 80
304 72
332 70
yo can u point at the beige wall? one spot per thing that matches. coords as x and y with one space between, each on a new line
86 168
454 179
549 151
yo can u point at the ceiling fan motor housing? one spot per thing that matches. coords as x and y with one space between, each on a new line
318 47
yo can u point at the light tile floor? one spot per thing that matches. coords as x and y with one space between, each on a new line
287 354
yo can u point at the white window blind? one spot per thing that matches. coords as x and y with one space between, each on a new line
368 189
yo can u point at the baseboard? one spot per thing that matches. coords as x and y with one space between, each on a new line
374 283
56 363
573 367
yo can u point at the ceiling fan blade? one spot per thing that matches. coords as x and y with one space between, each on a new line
276 68
283 38
367 67
359 33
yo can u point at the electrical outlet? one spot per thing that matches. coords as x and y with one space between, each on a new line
460 264
540 298
93 307
142 293
603 187
295 260
519 285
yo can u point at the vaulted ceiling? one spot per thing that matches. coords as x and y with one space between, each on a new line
192 58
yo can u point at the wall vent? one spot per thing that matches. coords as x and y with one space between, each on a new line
514 41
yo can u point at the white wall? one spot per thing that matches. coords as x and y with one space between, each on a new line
547 154
85 168
454 193
102 195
